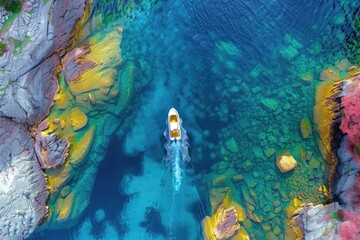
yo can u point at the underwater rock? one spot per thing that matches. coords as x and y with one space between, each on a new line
231 145
307 76
23 189
289 53
78 119
330 74
270 104
269 152
285 162
305 127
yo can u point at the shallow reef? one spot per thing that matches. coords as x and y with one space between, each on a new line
268 92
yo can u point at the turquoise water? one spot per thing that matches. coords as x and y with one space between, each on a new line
233 71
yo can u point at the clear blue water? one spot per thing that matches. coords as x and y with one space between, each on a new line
189 54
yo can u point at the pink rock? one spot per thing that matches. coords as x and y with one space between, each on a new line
227 224
349 231
350 123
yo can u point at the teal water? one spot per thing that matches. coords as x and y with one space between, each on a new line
233 71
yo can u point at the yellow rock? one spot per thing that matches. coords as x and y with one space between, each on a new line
65 210
330 74
78 119
296 202
351 68
80 149
314 164
285 162
56 176
305 127
62 100
289 210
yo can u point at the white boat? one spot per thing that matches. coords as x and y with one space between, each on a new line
174 125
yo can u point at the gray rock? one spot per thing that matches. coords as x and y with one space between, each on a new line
51 151
28 79
23 189
311 219
28 84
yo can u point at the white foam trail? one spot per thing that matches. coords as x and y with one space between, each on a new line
177 156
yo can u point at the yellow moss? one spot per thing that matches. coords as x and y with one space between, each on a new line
78 119
94 79
56 177
80 149
62 100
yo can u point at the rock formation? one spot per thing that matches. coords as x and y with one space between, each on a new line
28 83
338 220
285 162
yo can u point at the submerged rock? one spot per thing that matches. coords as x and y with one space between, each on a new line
270 104
305 127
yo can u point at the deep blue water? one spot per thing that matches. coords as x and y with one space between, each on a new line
189 54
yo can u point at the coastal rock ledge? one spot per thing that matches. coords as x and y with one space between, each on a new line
35 41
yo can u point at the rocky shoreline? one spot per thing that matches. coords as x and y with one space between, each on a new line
339 219
34 43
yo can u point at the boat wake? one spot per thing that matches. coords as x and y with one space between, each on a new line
177 157
177 212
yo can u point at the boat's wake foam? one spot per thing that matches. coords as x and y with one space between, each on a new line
177 207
